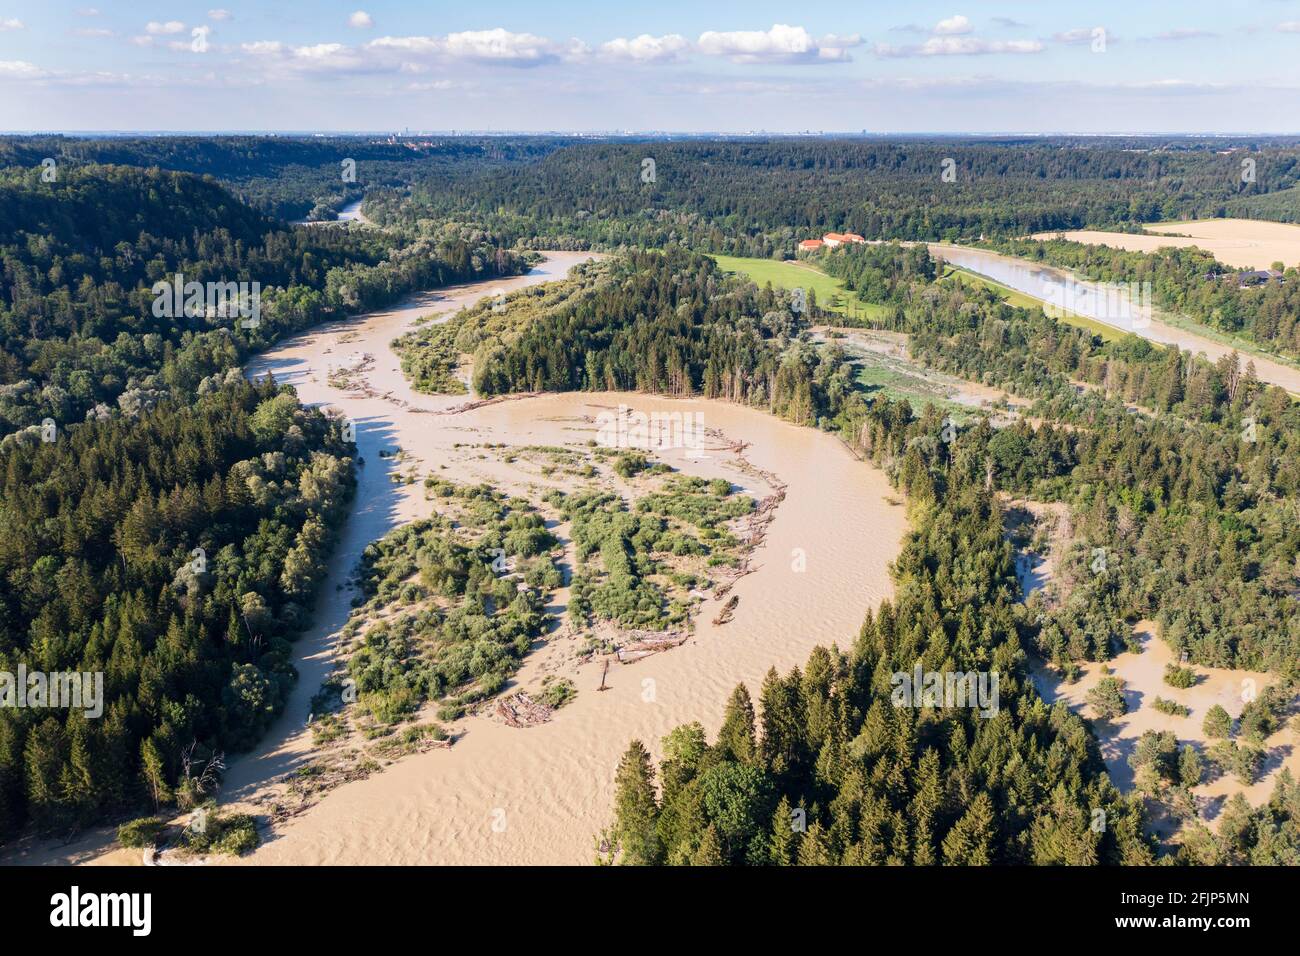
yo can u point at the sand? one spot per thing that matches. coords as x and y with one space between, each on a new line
1241 243
1144 674
504 795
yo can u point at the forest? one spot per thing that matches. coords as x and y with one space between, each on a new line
181 576
759 197
78 259
164 522
281 176
832 773
661 322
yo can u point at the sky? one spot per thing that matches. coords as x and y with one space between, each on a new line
971 66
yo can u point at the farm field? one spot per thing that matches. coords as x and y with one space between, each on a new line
1240 243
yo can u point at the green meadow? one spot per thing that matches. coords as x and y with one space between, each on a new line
831 294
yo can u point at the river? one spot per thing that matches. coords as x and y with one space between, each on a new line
1061 289
540 795
504 795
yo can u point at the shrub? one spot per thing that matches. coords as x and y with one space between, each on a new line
1170 707
557 693
1217 723
1107 698
140 833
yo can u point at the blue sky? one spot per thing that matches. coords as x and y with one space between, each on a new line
958 65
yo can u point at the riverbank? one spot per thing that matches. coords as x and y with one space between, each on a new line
1037 280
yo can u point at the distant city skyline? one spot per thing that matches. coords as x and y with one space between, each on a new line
982 66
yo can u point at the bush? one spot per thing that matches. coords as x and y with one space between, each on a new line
238 835
234 835
557 693
1170 707
1217 723
630 463
140 833
1182 677
1107 698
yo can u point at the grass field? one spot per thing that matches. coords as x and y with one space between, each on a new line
831 294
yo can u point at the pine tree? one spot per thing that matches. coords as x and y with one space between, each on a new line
709 852
970 841
636 809
783 845
153 773
925 807
44 760
736 737
783 747
813 850
1217 723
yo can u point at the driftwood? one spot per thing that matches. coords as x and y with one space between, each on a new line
481 402
728 611
352 379
521 710
644 643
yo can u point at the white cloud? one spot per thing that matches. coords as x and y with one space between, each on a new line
319 51
416 45
361 20
1182 33
316 58
1290 26
952 26
220 14
646 48
435 85
960 46
13 23
1082 35
488 46
154 28
19 70
498 44
781 44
